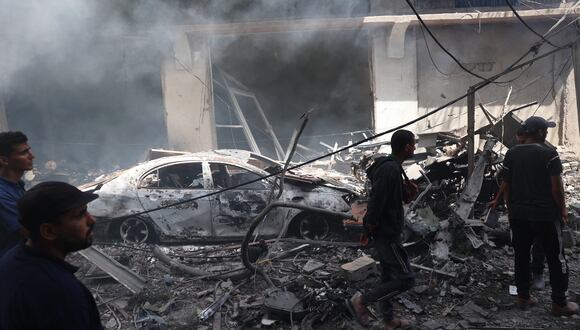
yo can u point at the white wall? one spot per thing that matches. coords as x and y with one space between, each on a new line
187 96
394 79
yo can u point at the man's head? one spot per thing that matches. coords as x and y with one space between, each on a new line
403 144
15 152
55 213
537 128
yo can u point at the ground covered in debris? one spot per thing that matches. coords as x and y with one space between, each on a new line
207 287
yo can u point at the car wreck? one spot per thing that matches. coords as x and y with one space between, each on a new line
212 196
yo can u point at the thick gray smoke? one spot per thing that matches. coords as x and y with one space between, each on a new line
82 78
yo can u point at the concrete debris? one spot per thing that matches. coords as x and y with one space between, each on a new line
284 304
131 280
359 269
311 266
459 249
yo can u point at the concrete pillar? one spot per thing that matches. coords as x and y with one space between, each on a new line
187 95
394 74
572 115
3 117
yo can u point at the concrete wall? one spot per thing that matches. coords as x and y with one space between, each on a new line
487 50
394 64
187 95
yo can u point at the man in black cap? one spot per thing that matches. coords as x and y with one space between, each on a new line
537 210
38 287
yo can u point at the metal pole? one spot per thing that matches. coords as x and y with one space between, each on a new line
470 130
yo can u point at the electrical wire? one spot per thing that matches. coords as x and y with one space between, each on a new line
439 43
553 87
473 89
429 53
529 27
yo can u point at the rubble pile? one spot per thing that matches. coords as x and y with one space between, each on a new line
458 248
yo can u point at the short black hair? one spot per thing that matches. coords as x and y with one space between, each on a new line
401 139
8 140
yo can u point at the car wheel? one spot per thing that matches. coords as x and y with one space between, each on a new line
136 230
312 226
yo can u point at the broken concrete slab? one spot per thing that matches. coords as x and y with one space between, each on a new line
473 314
359 269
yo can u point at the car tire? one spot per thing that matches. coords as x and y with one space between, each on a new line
134 230
311 226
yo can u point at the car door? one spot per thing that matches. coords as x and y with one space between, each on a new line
172 183
234 210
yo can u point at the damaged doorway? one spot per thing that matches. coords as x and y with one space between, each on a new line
282 76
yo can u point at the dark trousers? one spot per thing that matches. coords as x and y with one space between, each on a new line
538 258
396 277
548 234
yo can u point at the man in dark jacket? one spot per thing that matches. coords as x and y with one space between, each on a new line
384 221
537 210
38 287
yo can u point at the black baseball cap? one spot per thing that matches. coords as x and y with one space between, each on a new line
535 123
46 201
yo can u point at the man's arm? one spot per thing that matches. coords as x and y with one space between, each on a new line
506 193
500 193
558 196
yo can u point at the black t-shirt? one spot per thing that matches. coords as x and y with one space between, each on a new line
41 292
528 168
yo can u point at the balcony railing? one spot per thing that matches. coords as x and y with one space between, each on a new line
445 4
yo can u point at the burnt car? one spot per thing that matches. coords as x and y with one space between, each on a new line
223 216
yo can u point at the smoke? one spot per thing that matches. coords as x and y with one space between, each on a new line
82 77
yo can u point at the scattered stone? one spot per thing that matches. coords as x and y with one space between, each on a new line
311 266
420 289
359 269
432 325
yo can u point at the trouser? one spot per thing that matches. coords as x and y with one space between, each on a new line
538 258
549 235
396 277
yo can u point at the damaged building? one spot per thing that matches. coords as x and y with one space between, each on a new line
240 81
209 95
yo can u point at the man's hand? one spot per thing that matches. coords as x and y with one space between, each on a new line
493 203
565 215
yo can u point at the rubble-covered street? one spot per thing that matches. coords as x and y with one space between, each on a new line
229 164
458 286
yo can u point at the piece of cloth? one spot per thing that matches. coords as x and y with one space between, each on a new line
10 193
548 234
385 207
396 277
528 169
41 292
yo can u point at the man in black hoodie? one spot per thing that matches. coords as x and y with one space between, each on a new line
384 222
